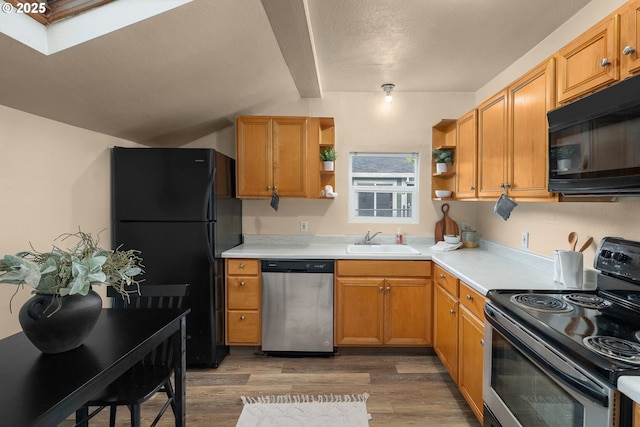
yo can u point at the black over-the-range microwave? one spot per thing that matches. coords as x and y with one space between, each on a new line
594 143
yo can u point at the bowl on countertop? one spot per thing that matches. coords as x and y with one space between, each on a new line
452 238
443 193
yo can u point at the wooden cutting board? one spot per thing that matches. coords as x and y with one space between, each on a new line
445 226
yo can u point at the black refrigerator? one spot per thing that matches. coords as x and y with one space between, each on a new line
177 206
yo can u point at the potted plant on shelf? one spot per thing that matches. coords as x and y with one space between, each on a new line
328 156
64 308
564 155
443 159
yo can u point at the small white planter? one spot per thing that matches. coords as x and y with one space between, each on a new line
328 166
442 167
564 164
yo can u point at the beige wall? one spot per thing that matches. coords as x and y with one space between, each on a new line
54 178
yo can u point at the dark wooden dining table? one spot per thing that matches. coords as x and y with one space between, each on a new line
39 389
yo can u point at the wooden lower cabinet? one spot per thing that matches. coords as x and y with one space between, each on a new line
383 303
470 362
458 337
243 305
445 332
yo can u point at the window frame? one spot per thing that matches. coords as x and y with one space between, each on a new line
414 190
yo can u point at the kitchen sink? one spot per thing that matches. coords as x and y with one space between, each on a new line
380 249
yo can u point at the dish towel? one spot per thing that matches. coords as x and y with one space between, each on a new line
445 247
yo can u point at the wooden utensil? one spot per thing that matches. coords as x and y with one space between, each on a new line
586 244
573 240
446 225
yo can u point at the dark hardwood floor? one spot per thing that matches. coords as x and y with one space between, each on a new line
406 387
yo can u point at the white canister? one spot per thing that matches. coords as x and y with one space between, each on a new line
571 268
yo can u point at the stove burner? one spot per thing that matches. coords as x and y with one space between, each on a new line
587 300
542 302
615 348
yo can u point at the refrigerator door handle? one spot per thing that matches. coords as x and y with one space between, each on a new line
208 196
209 243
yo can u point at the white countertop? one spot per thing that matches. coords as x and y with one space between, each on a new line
630 386
490 266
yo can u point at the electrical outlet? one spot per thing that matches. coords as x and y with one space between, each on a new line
525 239
304 226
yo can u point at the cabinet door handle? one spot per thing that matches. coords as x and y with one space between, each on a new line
452 311
604 62
242 317
388 289
628 50
381 289
472 188
469 297
241 283
268 187
482 342
441 276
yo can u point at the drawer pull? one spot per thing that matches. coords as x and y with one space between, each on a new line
241 265
241 283
604 62
242 317
469 297
442 276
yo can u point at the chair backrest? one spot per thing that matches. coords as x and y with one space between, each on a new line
151 296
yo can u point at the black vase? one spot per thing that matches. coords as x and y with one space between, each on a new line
65 329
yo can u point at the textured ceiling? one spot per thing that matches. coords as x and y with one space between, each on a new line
187 72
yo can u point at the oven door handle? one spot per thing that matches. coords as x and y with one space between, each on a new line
574 383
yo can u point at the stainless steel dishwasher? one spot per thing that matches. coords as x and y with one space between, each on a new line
297 307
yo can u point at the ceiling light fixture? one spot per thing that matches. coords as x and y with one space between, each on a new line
387 88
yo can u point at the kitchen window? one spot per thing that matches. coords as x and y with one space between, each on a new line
383 188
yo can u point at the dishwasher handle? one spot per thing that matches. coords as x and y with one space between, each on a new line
297 266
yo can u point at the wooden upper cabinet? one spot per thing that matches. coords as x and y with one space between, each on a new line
630 39
589 62
529 100
492 146
466 159
272 156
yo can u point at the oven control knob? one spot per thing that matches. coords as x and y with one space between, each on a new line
605 254
619 256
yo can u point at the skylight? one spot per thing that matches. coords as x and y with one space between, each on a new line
49 11
48 32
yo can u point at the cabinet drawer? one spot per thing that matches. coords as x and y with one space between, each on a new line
445 279
384 268
472 300
243 292
243 327
245 267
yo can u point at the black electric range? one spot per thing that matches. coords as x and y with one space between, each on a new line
600 329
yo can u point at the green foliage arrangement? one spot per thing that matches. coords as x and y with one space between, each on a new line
328 154
442 156
73 271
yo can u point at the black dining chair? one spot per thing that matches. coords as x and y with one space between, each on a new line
151 375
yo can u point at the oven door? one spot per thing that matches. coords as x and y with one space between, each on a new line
527 383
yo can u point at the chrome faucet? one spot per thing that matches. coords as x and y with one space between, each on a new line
368 237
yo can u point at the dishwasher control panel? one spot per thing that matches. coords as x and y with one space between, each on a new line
297 265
